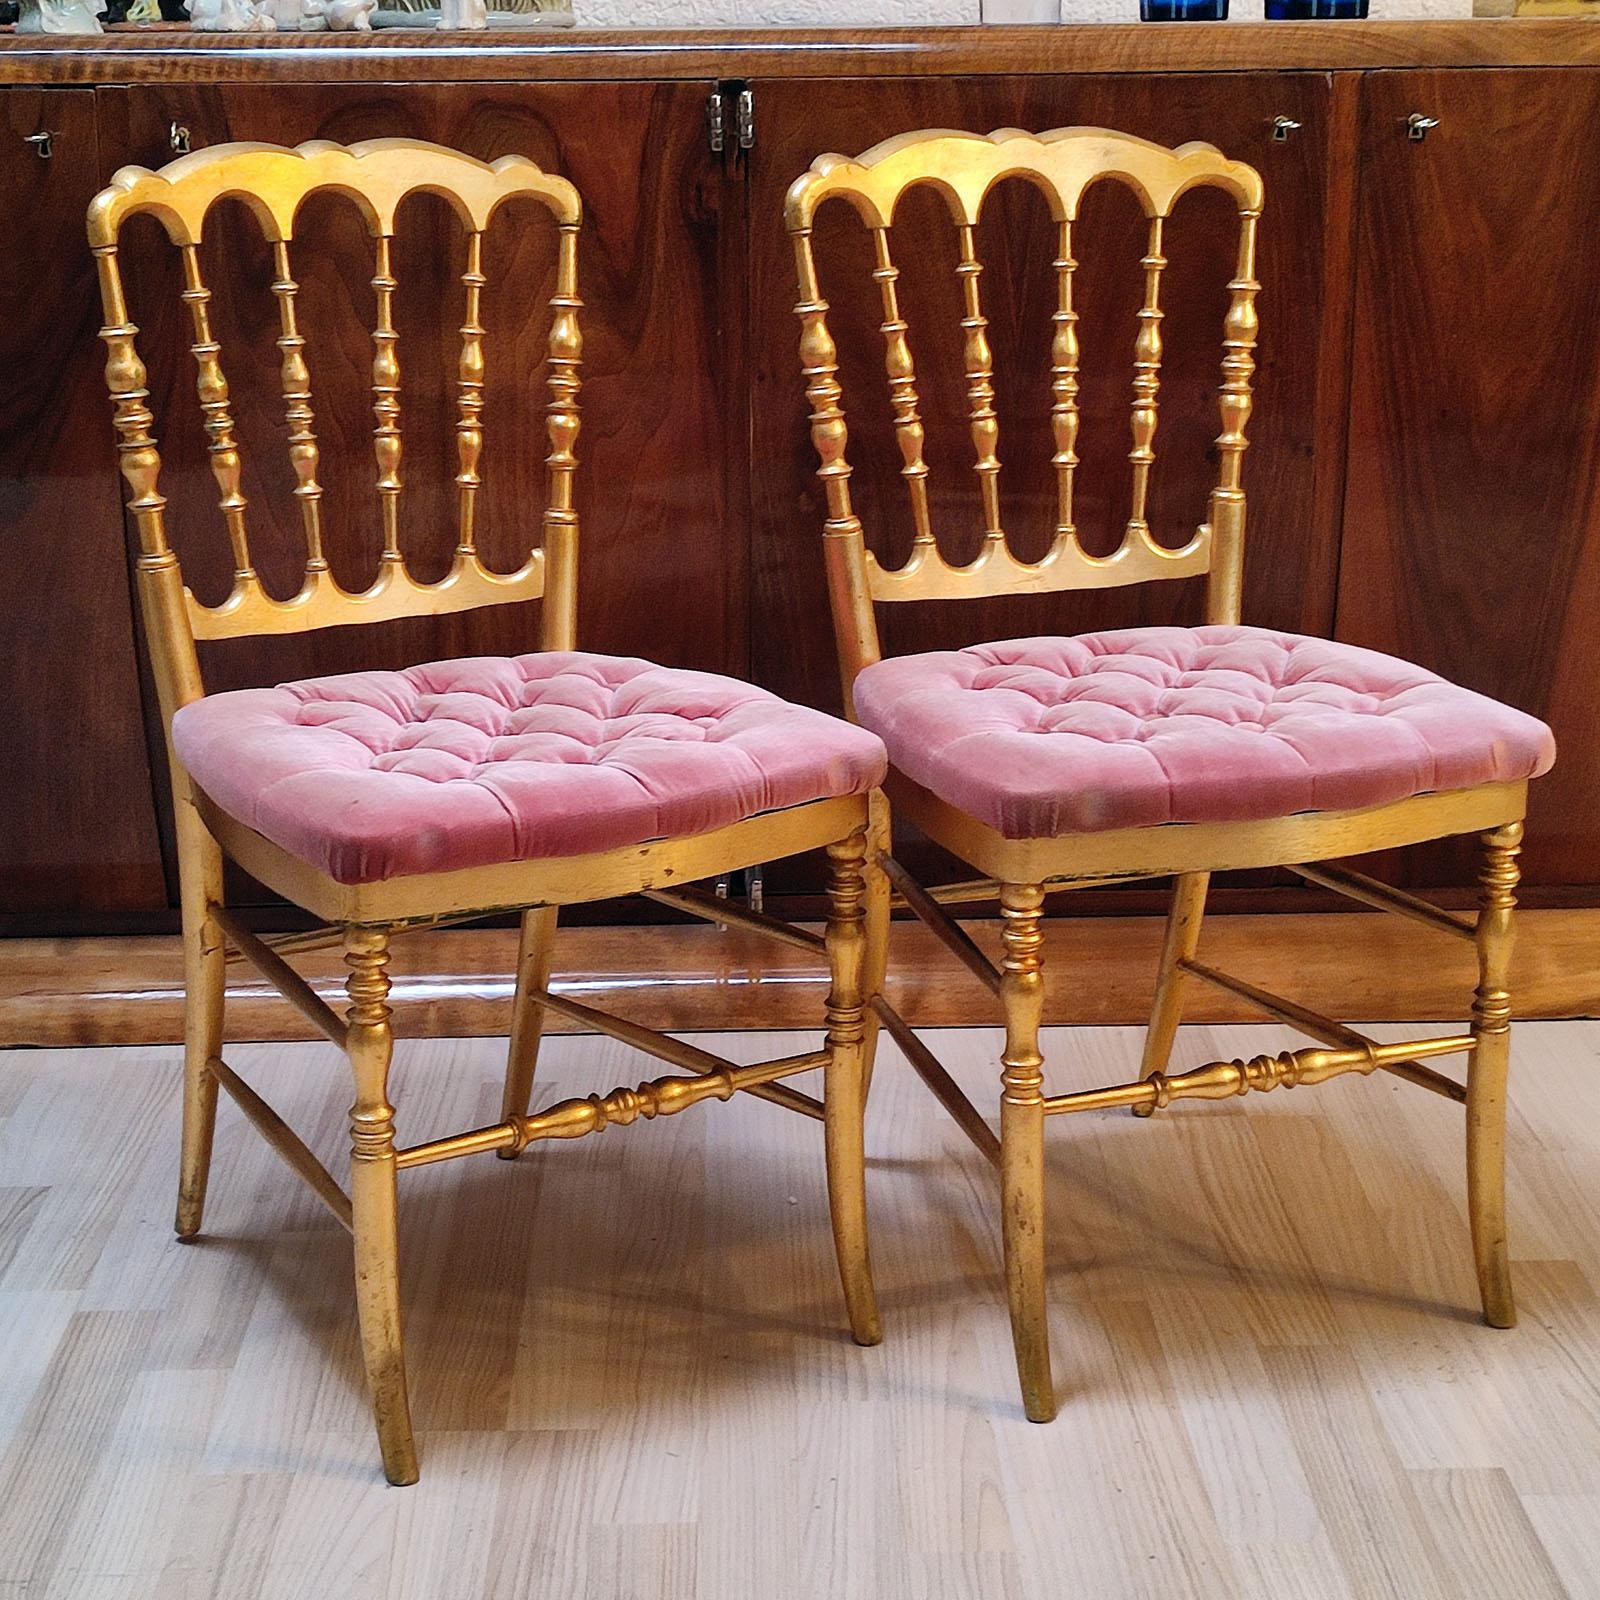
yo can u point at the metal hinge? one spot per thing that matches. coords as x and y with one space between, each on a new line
743 132
751 883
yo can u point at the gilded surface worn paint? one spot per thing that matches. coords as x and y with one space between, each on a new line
1062 164
364 918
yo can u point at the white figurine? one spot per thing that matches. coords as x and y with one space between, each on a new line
293 16
466 15
343 16
58 16
230 16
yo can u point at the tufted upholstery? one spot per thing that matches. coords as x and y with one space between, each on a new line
375 775
1040 737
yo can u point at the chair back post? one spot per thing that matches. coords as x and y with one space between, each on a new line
963 168
159 580
559 621
1225 581
273 181
844 545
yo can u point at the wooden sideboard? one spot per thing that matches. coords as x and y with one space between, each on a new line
1424 474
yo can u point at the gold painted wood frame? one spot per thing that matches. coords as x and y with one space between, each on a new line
377 177
1063 163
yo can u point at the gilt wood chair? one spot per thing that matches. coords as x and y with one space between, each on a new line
1051 763
386 801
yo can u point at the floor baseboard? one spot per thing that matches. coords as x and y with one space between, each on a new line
1099 970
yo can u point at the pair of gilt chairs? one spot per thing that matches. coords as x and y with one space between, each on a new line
383 802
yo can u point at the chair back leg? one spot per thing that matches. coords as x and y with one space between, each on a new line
844 1076
880 894
1022 1144
527 1015
204 985
1486 1074
370 1045
1182 939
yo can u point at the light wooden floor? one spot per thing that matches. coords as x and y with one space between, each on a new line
631 1380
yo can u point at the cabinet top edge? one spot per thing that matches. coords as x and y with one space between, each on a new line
177 55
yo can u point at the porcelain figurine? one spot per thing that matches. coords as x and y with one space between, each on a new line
343 16
230 16
58 16
466 15
294 16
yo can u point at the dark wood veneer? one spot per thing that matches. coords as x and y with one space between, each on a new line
1435 301
77 823
1472 512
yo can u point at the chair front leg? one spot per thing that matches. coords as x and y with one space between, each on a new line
845 1086
1486 1074
1182 939
1022 1144
527 1016
370 1044
204 985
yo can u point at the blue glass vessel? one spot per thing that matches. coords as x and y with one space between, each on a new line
1308 10
1183 10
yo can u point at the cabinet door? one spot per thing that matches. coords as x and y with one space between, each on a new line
660 576
1472 512
1294 469
77 824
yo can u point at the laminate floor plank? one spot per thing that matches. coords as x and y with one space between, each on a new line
632 1376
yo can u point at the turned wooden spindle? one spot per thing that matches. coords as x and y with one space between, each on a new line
386 398
216 409
561 422
1239 330
844 545
1146 384
128 385
978 363
902 375
1064 358
295 378
469 399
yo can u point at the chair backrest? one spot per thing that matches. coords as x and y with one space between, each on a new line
963 168
273 182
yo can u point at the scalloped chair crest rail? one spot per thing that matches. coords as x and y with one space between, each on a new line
1048 763
384 801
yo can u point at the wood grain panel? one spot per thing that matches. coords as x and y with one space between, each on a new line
1295 464
656 576
173 55
1472 511
77 825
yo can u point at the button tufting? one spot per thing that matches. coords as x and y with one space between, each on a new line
1156 725
460 763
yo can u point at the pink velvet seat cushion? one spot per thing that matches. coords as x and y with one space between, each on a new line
1041 737
377 775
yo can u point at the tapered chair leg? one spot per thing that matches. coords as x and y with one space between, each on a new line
1022 1145
527 1015
880 892
1486 1074
204 983
370 1044
1184 917
844 1091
